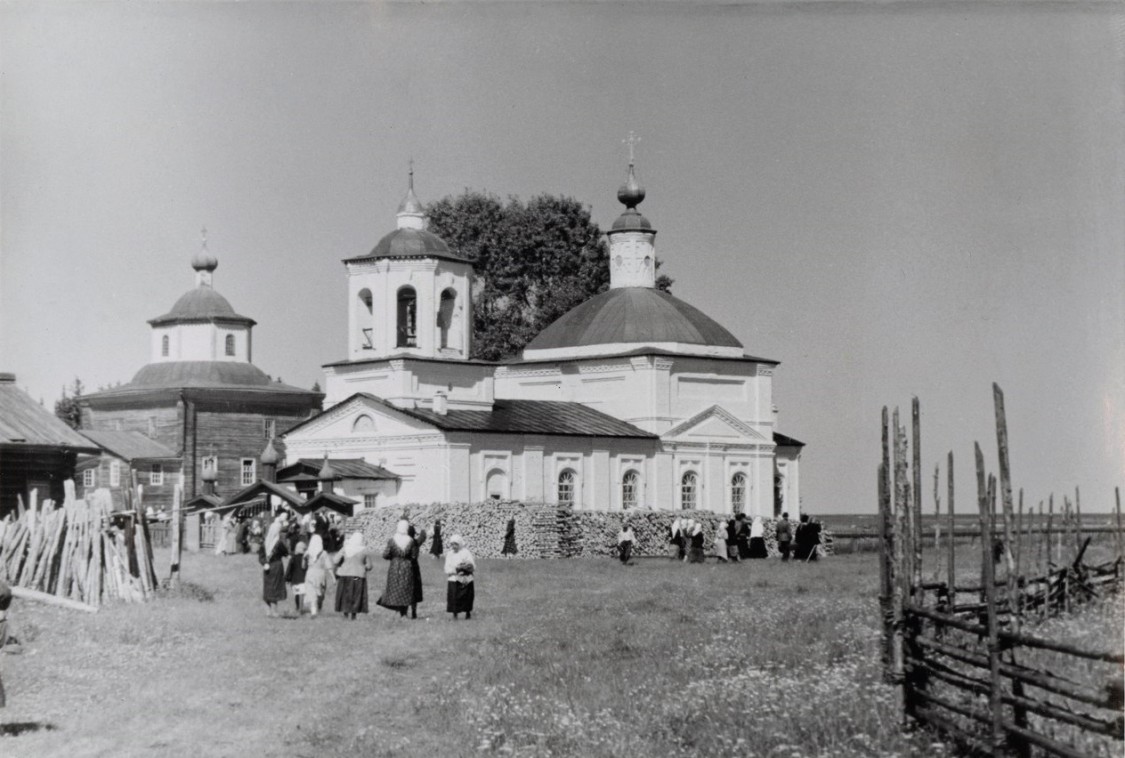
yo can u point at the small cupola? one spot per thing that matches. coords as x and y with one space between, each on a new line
411 214
632 256
204 262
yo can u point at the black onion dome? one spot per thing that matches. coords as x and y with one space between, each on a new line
631 194
633 315
201 304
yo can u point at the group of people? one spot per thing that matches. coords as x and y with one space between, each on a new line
295 555
734 541
239 533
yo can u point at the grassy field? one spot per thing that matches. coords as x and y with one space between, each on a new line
582 657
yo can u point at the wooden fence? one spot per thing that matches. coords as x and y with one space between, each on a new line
958 647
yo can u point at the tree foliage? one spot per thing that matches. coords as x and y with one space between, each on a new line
67 408
532 262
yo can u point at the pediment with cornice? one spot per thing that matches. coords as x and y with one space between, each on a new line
715 425
359 417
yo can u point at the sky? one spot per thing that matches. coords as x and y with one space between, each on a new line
892 199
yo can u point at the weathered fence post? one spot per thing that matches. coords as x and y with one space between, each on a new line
916 576
892 671
988 592
1117 508
903 554
1077 523
174 572
951 573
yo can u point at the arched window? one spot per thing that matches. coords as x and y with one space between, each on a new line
496 485
363 423
445 315
365 319
567 482
689 491
230 344
407 318
164 346
738 493
630 489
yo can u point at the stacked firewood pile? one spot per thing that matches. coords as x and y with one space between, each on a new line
81 550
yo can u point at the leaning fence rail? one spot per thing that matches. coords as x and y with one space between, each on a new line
958 649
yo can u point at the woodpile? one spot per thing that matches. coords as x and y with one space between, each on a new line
82 550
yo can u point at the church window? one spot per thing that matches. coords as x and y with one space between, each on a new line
164 346
114 473
496 485
630 485
156 475
365 319
369 499
248 473
230 344
407 318
363 423
567 482
738 493
689 491
445 315
89 477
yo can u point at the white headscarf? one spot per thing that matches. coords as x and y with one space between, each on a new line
698 528
402 534
455 558
316 548
353 545
273 536
756 528
677 525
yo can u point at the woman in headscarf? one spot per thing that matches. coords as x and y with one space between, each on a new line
742 535
758 539
732 544
316 573
459 570
351 576
436 546
695 553
419 538
398 595
677 538
721 542
271 555
510 548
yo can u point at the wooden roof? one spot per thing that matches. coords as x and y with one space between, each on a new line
24 422
129 445
307 469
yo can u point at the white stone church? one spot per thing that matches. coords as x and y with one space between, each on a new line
633 399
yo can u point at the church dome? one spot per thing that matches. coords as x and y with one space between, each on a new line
200 304
413 243
633 315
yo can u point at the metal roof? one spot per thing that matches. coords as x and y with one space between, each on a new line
553 417
201 304
632 315
330 500
781 439
202 374
129 445
411 243
262 487
636 352
306 469
24 422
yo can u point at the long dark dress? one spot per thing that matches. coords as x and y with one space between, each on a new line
757 547
273 578
807 538
459 597
742 538
399 591
732 544
695 553
436 546
510 539
415 569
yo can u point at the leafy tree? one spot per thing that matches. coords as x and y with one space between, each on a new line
532 262
67 408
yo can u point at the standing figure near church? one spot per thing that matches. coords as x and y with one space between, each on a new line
676 539
625 540
784 535
271 555
510 548
295 574
808 538
436 547
732 543
742 536
353 562
419 538
459 570
695 552
720 548
398 595
757 545
317 566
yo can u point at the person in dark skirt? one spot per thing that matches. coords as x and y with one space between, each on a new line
510 540
807 539
402 552
742 536
625 540
732 541
271 556
295 576
419 538
757 546
354 562
695 552
459 570
436 546
676 532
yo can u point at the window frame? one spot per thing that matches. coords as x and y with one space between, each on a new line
689 498
228 345
90 477
115 473
242 471
635 485
572 485
738 484
156 475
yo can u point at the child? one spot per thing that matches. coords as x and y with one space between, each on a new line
316 576
295 575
